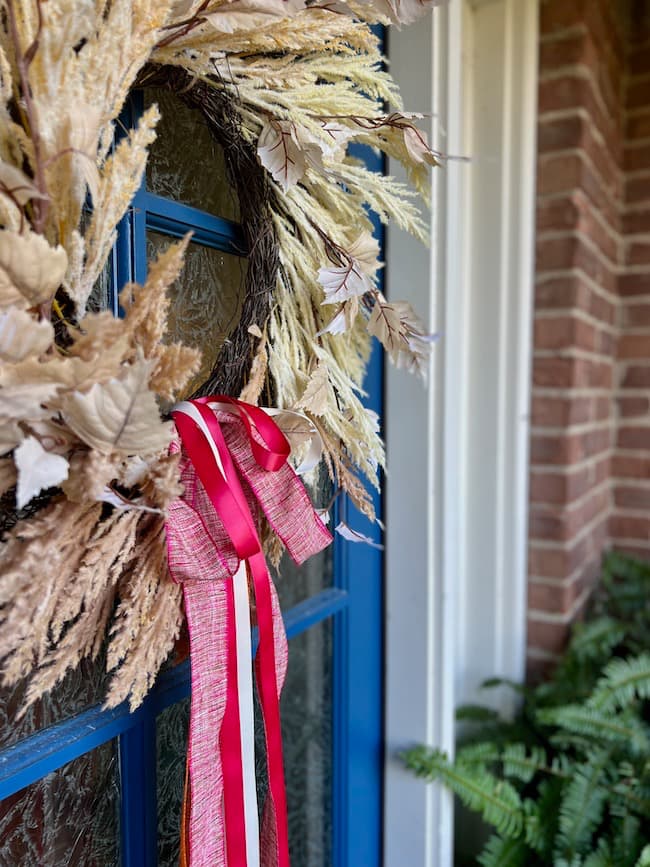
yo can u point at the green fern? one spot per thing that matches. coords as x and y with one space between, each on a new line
623 680
644 858
582 806
497 800
504 852
567 783
589 723
597 639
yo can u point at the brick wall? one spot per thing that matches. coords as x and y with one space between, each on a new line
580 253
630 521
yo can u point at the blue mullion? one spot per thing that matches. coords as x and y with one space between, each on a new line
358 688
176 219
138 805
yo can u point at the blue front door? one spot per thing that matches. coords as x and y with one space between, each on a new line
84 786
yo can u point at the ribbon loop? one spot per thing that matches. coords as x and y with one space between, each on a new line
224 456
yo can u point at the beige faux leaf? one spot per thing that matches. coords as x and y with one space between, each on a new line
249 14
21 335
30 270
318 396
417 146
280 153
255 330
37 470
120 415
337 325
385 324
404 11
25 402
341 282
353 277
16 184
365 251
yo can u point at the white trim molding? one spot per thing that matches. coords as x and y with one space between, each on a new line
456 493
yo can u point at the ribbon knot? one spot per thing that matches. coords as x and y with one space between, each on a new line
234 465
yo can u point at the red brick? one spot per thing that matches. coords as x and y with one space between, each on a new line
559 412
602 309
634 346
634 284
559 174
552 637
554 598
632 498
561 292
639 552
561 134
637 127
630 407
636 222
606 343
636 315
637 376
637 94
564 332
565 449
559 487
636 157
638 253
559 372
634 437
557 562
628 527
637 190
631 467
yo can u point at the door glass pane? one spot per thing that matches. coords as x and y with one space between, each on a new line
171 745
297 583
79 690
70 818
306 708
307 733
206 299
185 162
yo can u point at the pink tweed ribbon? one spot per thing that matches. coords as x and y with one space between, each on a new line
233 465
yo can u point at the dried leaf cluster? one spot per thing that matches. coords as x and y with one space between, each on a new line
80 391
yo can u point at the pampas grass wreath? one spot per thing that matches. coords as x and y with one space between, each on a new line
85 471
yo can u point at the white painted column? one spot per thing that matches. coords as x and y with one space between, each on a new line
457 448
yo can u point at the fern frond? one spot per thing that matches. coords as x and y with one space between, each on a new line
476 713
542 819
503 852
623 680
523 765
602 857
479 790
644 858
628 840
596 639
590 723
582 805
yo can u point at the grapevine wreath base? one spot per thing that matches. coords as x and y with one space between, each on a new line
86 471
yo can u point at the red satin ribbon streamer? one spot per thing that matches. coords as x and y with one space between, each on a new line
270 450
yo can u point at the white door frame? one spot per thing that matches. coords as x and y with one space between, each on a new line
456 492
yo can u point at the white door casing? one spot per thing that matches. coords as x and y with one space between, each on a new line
456 492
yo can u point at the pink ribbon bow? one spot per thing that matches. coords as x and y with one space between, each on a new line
234 464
